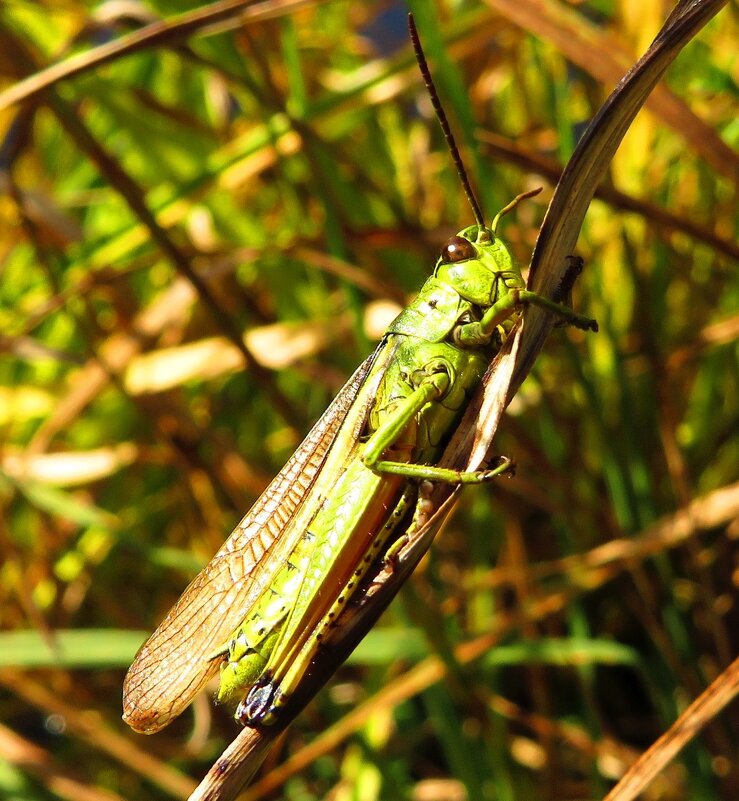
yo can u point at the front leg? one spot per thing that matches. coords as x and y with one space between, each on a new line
512 301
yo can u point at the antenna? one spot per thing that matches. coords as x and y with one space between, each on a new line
441 116
512 205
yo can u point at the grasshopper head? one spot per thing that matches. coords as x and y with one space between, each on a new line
474 262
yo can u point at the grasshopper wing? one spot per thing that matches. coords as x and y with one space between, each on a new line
177 660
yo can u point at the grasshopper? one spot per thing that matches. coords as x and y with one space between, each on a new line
350 494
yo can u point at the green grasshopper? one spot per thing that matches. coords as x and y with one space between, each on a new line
350 495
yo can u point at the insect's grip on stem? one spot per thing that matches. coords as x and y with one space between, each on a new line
444 122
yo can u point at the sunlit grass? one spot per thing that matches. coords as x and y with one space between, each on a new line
282 159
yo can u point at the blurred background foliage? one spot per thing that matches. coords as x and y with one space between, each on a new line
280 178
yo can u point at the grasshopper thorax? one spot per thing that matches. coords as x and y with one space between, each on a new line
474 262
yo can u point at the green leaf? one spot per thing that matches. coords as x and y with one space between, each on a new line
74 648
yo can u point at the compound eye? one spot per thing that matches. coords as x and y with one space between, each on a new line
457 249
